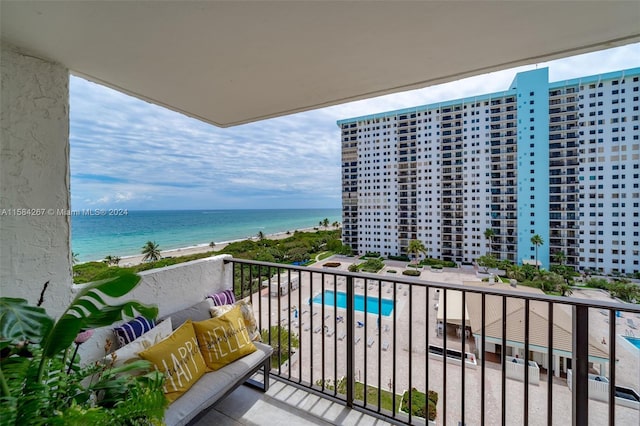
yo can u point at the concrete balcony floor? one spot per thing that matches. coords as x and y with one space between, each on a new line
283 404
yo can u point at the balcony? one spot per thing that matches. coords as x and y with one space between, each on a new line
394 347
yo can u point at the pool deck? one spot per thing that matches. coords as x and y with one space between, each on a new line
320 331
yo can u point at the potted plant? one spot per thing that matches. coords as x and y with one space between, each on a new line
422 407
42 383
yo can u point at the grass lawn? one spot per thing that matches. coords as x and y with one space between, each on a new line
325 254
386 397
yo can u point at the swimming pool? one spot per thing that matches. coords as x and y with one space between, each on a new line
635 341
340 298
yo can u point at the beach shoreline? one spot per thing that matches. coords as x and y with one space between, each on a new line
133 260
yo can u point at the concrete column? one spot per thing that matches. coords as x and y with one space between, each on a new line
34 179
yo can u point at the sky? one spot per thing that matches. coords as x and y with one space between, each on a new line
129 154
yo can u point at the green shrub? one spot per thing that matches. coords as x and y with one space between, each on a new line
601 283
430 261
401 258
420 405
280 337
372 265
411 273
391 271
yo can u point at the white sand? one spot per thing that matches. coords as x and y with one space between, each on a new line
203 248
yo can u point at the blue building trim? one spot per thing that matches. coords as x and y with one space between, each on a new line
532 89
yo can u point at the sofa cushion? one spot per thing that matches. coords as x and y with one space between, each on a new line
247 314
179 359
127 333
225 297
213 386
197 312
223 339
129 352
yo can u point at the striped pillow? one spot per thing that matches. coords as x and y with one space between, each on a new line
223 298
127 333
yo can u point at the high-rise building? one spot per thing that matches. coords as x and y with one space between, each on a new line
560 160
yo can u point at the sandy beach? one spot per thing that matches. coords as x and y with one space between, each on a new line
203 248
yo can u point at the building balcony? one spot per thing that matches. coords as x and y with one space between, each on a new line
387 334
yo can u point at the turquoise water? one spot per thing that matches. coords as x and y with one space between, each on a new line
635 341
340 298
94 237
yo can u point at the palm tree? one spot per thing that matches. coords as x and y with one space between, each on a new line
260 235
325 222
559 257
111 260
151 251
212 244
416 247
336 224
537 241
74 258
489 234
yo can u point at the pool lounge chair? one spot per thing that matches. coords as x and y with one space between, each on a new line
330 332
317 329
371 341
357 339
342 336
385 346
631 324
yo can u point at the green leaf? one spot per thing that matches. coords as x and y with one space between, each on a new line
19 321
89 310
113 287
8 410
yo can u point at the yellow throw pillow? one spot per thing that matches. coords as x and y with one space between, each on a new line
247 313
223 339
179 359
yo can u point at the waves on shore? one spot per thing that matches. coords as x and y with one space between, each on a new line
94 237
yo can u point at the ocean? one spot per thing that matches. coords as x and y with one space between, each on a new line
93 237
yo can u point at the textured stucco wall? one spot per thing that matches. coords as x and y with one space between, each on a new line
34 174
172 288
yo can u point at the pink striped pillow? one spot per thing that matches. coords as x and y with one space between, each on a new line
223 298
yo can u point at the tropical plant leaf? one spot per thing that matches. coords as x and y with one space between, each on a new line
89 310
19 321
8 410
122 284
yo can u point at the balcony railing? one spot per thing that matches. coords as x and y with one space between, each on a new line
347 333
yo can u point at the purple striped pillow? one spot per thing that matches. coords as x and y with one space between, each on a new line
127 333
223 298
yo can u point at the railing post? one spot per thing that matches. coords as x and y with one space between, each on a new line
350 342
580 366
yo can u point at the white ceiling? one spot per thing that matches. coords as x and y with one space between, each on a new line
230 63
